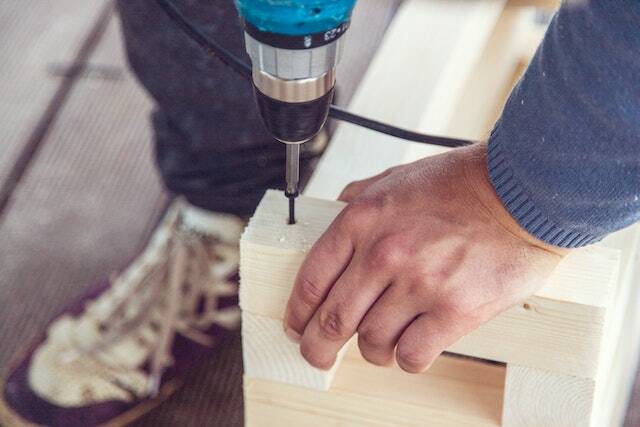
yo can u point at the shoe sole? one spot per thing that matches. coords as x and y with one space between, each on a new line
10 418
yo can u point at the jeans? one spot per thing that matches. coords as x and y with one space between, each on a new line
210 145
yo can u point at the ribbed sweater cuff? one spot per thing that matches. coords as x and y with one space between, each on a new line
518 203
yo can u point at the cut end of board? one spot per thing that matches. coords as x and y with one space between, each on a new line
269 355
268 241
270 226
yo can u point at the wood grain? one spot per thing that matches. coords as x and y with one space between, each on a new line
454 392
269 355
414 82
621 352
534 398
490 80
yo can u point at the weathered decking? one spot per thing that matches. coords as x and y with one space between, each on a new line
89 195
79 193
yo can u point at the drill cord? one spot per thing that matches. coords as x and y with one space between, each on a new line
244 70
211 46
339 114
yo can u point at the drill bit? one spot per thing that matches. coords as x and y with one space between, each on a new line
292 210
292 177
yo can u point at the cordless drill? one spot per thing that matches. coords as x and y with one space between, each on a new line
294 46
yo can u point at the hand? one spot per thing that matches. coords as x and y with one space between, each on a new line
423 254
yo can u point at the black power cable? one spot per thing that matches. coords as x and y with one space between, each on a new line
211 46
339 114
244 70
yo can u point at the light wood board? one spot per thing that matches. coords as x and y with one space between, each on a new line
414 81
454 392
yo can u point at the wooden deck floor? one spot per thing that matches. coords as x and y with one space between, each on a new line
88 194
79 194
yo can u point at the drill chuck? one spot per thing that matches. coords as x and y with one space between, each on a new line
293 85
294 122
294 47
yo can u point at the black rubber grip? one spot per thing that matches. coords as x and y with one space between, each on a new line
307 41
293 122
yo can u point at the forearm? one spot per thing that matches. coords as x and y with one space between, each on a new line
565 155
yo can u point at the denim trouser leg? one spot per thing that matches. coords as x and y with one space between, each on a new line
210 144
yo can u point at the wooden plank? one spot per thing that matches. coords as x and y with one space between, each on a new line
454 392
495 41
269 355
362 43
490 80
622 350
534 398
558 329
445 39
36 35
542 4
632 407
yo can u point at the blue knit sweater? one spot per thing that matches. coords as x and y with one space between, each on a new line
565 155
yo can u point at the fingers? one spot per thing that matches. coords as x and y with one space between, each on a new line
383 325
337 319
325 262
425 338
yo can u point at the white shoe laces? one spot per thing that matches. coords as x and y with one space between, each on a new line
178 293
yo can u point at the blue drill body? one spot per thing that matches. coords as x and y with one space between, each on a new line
295 17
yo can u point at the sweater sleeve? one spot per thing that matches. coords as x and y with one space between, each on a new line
565 155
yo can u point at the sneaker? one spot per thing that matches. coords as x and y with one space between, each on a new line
125 346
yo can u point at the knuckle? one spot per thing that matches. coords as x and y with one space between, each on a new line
346 223
310 294
453 306
419 289
333 325
387 254
356 218
420 273
442 274
353 216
